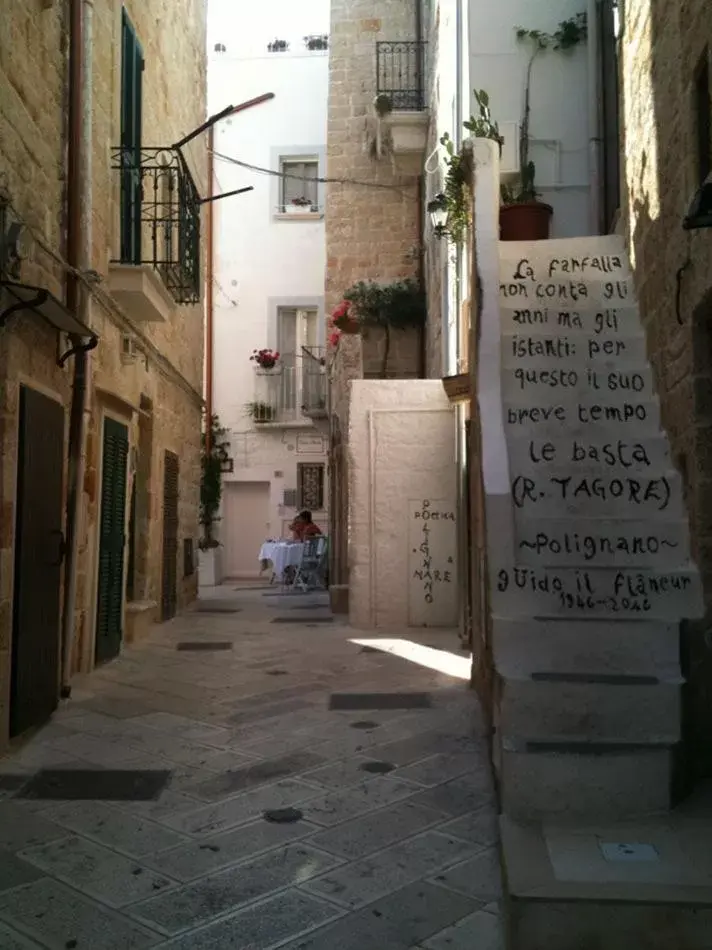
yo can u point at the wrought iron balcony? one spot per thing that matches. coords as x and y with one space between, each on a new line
400 74
293 391
160 218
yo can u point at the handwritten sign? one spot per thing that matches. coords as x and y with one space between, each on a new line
573 592
594 495
599 542
432 563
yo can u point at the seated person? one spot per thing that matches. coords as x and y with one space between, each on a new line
303 527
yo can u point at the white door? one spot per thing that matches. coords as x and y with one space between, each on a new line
244 527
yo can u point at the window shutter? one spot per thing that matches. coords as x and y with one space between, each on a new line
289 499
132 64
111 547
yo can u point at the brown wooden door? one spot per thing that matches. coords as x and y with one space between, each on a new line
39 551
170 536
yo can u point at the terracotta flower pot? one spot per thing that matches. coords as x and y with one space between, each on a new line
348 325
528 221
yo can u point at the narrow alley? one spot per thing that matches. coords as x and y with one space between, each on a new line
255 775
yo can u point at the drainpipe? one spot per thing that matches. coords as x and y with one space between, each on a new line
460 408
209 272
79 252
595 110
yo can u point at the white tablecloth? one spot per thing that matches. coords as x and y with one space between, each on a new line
282 554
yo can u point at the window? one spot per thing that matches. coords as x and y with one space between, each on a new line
703 117
300 188
310 486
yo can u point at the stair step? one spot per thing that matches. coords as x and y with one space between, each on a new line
560 779
574 885
539 709
522 647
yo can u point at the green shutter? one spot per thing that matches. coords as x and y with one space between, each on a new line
132 64
111 540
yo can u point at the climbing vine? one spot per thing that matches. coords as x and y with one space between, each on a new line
211 461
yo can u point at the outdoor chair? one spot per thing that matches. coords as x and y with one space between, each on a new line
311 571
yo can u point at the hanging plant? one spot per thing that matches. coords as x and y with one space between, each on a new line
265 359
211 461
456 191
396 306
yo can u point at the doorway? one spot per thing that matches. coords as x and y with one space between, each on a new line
109 603
39 551
246 526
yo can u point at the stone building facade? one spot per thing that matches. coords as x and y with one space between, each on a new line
373 216
667 152
138 512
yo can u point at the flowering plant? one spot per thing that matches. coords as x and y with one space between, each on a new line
301 202
334 337
342 317
265 359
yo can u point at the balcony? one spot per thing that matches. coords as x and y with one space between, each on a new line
293 393
400 77
158 264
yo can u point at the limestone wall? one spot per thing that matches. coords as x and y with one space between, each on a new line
662 46
168 379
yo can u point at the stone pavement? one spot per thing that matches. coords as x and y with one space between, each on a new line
199 793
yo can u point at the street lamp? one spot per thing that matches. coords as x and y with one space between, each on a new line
699 214
438 211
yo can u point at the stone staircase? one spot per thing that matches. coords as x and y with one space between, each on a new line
590 577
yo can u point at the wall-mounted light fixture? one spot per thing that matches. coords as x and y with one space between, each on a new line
699 214
437 209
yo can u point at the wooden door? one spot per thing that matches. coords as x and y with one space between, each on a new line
39 551
112 541
245 527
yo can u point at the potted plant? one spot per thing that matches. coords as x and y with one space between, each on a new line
396 306
265 359
450 209
298 206
261 412
317 42
213 455
522 216
278 46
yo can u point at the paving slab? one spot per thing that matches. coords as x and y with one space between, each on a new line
113 828
400 921
362 882
221 893
377 830
393 861
97 871
59 917
201 856
266 924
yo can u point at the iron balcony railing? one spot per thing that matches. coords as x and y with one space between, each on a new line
400 74
294 389
160 217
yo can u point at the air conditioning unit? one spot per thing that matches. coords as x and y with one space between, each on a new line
129 350
509 160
